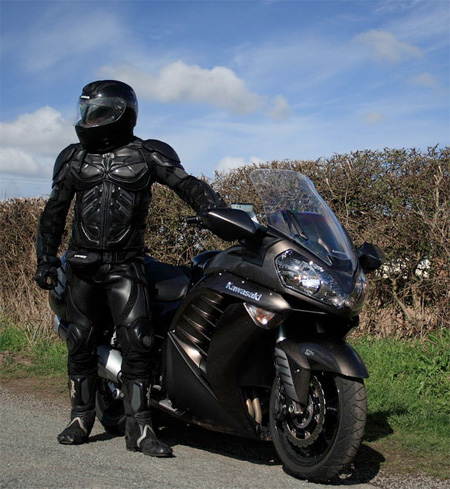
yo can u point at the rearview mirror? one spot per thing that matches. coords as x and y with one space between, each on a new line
231 224
370 257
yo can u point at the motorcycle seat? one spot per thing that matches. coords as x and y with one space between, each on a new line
166 282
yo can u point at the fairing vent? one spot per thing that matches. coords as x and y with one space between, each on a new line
198 321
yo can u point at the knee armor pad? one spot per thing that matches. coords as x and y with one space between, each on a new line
136 337
80 339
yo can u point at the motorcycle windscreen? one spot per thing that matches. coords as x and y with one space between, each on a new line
294 207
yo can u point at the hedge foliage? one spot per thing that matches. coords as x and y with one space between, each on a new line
398 199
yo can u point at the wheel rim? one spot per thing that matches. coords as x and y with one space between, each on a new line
307 433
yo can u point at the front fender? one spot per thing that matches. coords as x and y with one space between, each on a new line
295 361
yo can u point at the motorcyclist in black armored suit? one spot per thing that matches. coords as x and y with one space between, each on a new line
110 172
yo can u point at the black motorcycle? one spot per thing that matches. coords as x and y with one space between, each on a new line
251 340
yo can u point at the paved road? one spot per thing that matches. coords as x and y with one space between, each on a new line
30 457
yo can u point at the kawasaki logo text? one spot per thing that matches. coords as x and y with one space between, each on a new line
245 293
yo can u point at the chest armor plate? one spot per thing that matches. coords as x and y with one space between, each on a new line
112 197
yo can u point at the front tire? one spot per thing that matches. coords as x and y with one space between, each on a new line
316 442
109 410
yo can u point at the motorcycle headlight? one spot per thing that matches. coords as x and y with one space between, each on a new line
308 278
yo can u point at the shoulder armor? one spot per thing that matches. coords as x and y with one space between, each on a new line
63 157
163 153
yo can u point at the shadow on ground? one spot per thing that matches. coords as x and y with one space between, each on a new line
364 468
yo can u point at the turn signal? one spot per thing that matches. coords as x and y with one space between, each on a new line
260 316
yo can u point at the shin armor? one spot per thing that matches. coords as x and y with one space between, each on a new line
139 432
82 397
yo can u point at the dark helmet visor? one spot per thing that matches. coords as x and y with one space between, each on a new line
99 111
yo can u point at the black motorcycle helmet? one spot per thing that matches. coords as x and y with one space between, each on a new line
106 115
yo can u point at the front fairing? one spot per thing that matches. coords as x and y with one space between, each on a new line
296 211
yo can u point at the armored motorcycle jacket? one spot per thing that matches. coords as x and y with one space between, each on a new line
113 193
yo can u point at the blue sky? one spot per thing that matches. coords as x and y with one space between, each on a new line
225 82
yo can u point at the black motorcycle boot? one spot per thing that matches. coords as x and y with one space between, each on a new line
82 396
139 433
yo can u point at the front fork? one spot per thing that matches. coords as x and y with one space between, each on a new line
295 361
293 370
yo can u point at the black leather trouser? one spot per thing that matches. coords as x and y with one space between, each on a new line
119 293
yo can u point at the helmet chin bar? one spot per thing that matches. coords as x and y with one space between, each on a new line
102 139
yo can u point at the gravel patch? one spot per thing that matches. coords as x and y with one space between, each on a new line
32 458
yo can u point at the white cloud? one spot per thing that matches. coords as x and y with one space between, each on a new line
374 118
15 160
42 131
230 162
424 21
425 80
386 47
280 108
388 6
180 82
30 143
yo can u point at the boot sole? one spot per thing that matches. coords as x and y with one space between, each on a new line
158 455
68 442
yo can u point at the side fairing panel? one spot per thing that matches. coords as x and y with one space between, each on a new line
211 339
188 390
197 319
231 348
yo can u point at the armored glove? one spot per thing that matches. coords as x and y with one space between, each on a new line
46 275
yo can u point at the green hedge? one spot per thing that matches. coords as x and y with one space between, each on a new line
398 199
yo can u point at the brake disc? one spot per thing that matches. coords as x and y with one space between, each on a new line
303 429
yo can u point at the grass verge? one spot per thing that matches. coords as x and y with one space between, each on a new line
408 425
20 357
409 402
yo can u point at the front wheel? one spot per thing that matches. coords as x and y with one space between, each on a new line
316 441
